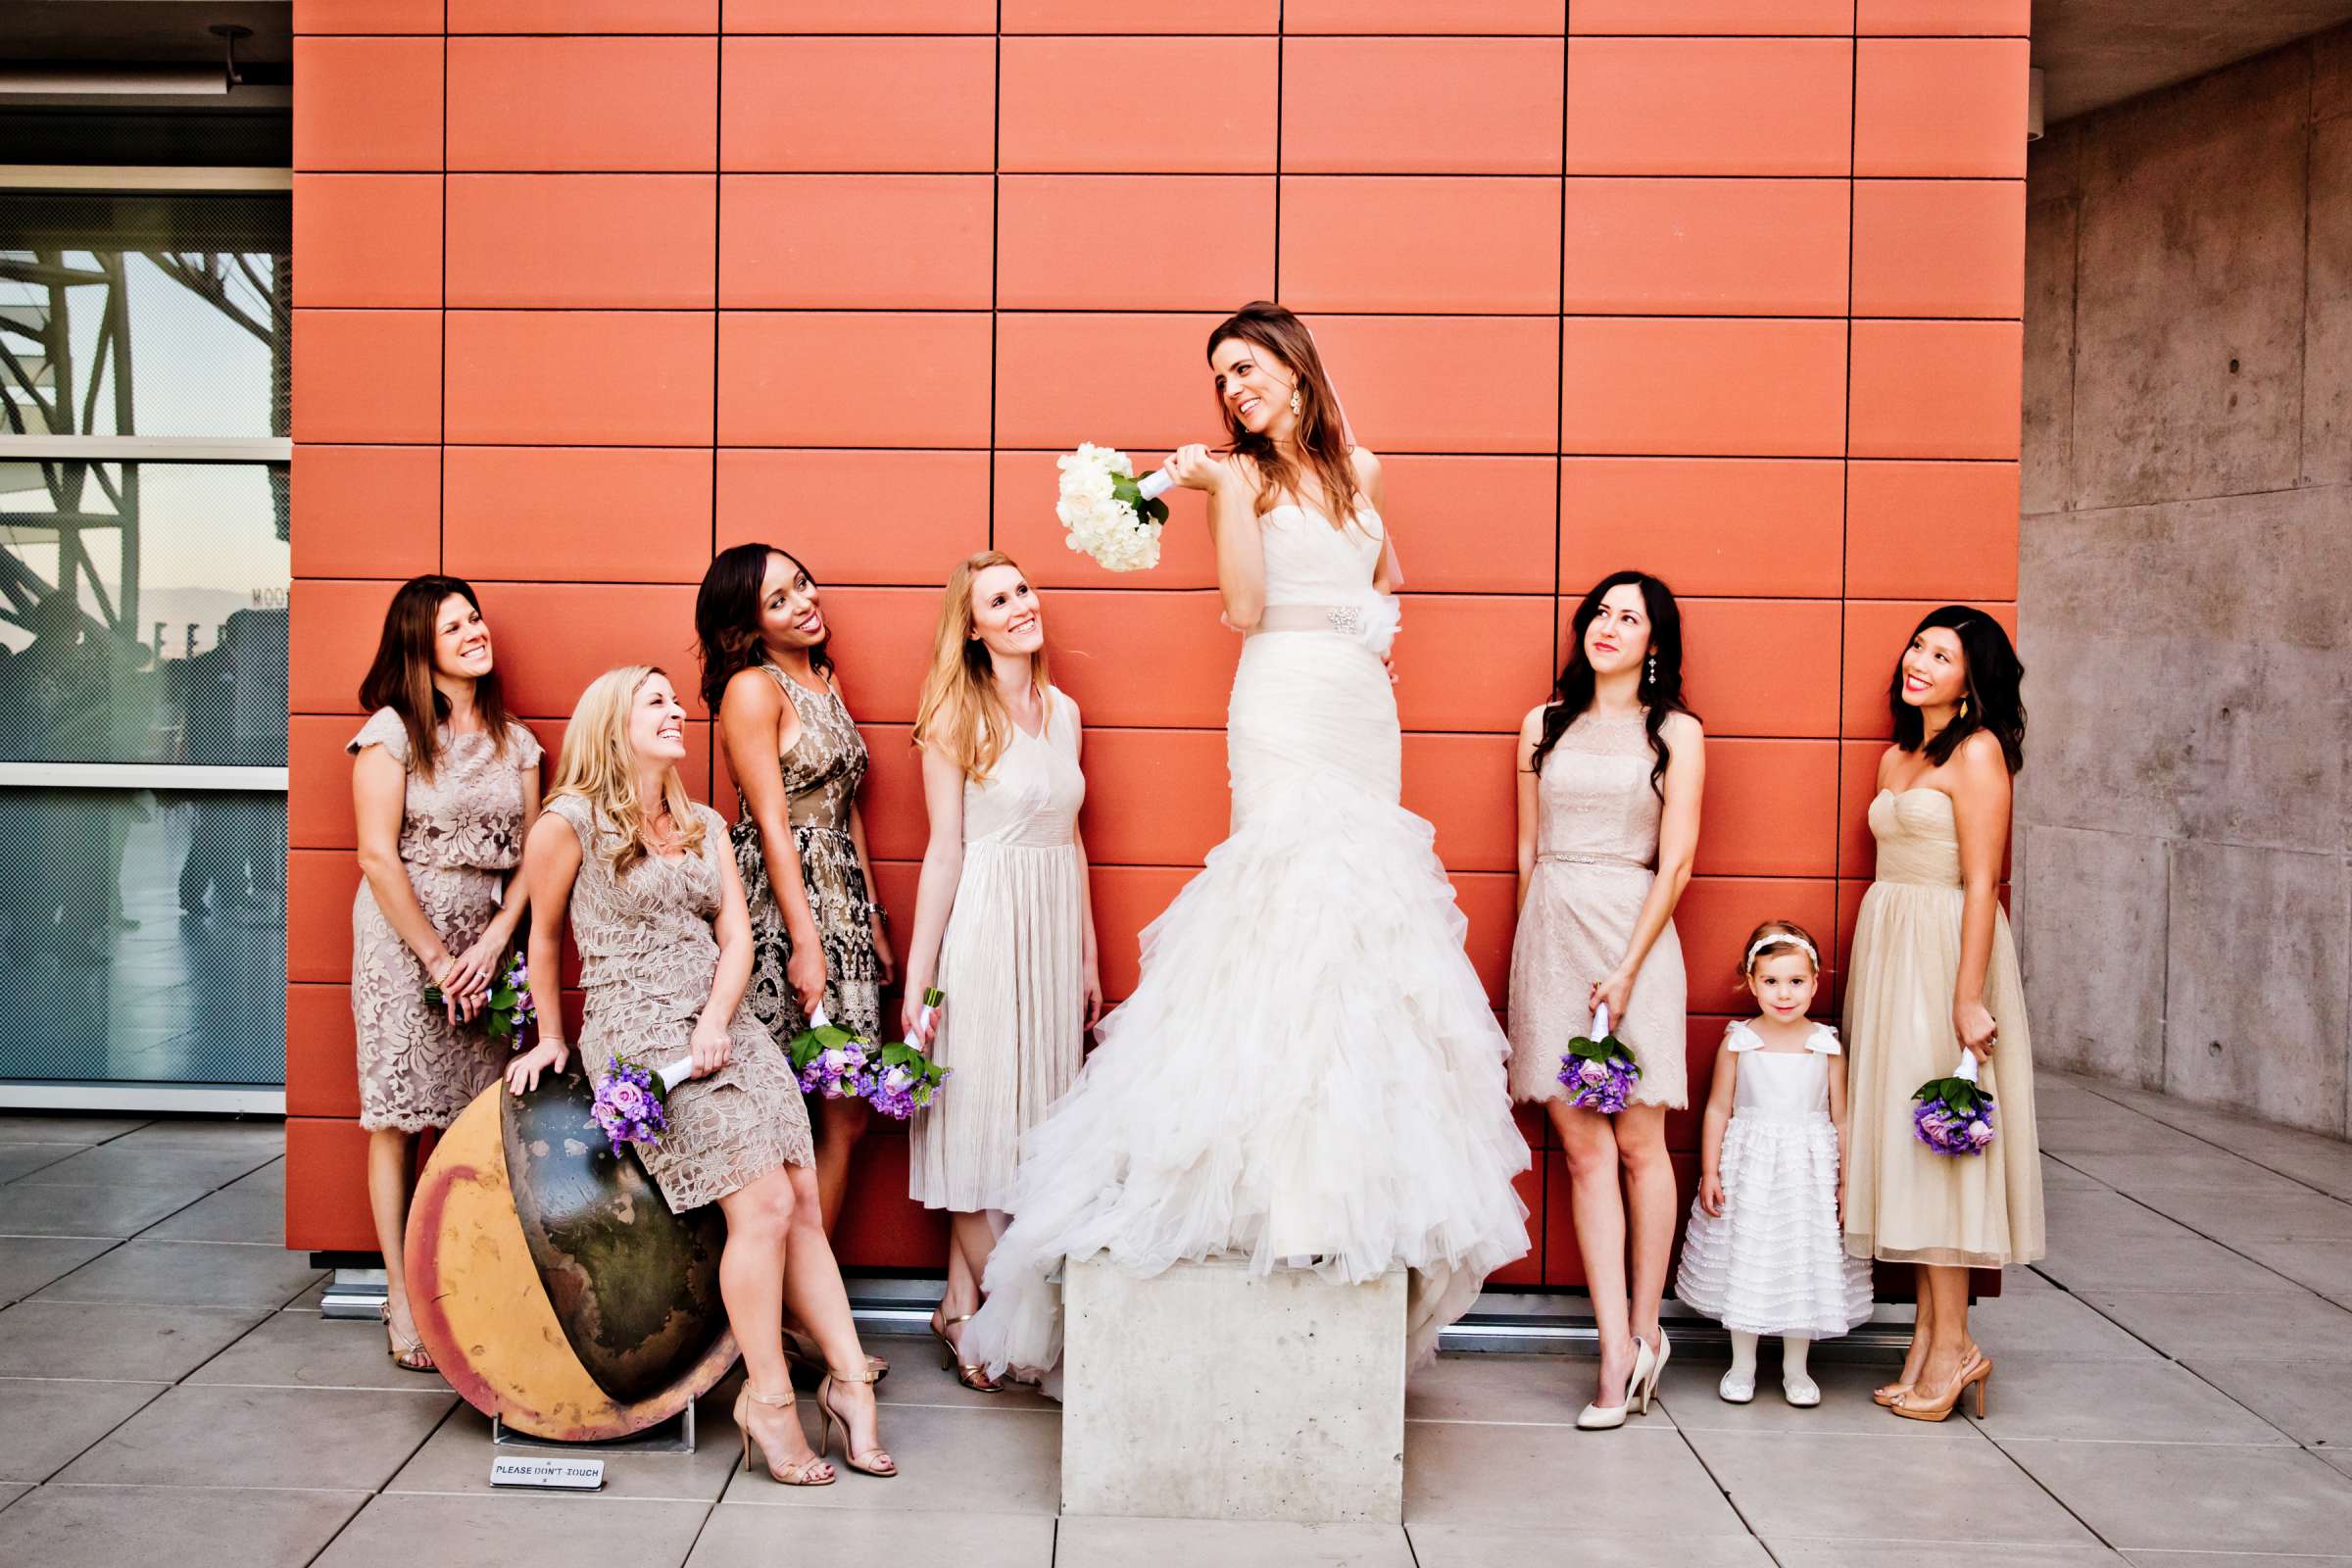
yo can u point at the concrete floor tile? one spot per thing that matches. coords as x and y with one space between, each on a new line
950 1462
1438 1546
2186 1324
2150 1253
116 1212
1799 1553
341 1438
1689 1391
1100 1542
2209 1168
267 1133
147 1344
266 1178
2145 1402
1538 1390
302 1349
2311 1402
194 1273
917 1377
2228 1559
11 1490
1508 1477
2341 1458
60 1127
239 1213
2059 1177
1843 1485
2181 1496
401 1530
740 1537
2038 1319
2116 1133
2232 1220
107 1527
120 1163
456 1459
2318 1263
23 1159
45 1423
29 1262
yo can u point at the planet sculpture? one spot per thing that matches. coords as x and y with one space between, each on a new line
552 1284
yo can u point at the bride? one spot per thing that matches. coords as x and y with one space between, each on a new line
1308 1071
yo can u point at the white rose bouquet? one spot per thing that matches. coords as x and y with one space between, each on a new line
1111 516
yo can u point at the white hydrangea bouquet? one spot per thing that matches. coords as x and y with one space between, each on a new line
1111 516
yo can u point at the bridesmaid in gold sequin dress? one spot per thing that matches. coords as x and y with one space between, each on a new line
800 844
444 785
1610 773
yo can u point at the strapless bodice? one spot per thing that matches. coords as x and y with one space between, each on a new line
1919 838
1309 562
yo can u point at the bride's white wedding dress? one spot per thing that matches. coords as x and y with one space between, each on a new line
1308 1067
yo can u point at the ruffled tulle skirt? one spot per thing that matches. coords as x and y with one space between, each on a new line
1774 1261
1308 1067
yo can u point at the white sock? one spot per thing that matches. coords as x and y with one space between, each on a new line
1743 1356
1792 1357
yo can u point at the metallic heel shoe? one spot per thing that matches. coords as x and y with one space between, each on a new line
1606 1417
810 1472
876 1463
970 1374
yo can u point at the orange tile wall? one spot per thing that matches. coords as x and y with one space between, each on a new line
1730 291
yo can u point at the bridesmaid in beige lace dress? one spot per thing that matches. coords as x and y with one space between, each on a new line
1003 923
1933 974
651 891
799 844
1610 773
443 787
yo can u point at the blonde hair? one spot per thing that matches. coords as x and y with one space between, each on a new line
1778 939
963 716
598 765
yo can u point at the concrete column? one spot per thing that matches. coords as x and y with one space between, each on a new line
1212 1393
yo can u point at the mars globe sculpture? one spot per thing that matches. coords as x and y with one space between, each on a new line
554 1287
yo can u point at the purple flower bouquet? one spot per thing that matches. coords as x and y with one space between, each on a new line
628 1100
1600 1072
1954 1115
902 1078
509 1009
831 1061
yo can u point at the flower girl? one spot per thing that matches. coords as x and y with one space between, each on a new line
1764 1252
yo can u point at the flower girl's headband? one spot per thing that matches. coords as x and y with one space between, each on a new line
1778 939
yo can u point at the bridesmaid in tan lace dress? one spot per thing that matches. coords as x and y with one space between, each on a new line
1933 974
443 786
800 844
1003 923
655 903
1610 773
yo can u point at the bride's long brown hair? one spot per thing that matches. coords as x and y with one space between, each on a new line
1322 436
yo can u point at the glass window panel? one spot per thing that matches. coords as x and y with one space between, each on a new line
143 613
145 936
164 315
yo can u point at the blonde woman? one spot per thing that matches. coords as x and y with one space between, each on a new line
666 949
1002 922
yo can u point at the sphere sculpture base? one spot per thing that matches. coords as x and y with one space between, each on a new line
552 1287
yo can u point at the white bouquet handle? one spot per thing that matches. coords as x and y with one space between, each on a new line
672 1074
1966 1072
1600 1021
1158 482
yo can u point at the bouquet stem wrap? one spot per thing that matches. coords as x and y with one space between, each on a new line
1954 1115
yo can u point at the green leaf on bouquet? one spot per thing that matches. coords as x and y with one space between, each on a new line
1605 1049
933 996
806 1047
1957 1092
1154 511
1125 489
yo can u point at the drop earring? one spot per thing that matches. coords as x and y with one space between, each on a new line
1293 400
1650 671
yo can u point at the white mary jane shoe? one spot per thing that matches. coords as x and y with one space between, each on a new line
1608 1417
1735 1389
1804 1393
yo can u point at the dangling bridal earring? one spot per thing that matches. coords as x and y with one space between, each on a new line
1293 400
1650 670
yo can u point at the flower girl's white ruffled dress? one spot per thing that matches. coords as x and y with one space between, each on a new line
1308 1067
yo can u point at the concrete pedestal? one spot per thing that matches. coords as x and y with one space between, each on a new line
1212 1393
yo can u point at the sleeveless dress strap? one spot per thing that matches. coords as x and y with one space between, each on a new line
1740 1038
1823 1042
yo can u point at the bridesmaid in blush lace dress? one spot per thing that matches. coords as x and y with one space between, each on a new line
443 786
1610 773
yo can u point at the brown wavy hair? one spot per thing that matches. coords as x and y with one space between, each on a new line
1322 435
962 714
400 677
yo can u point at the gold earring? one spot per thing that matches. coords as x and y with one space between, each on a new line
1294 400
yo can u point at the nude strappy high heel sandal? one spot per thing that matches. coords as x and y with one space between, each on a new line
971 1374
881 1463
810 1472
1975 1373
409 1354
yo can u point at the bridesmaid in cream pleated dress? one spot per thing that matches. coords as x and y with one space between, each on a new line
1002 920
1935 973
